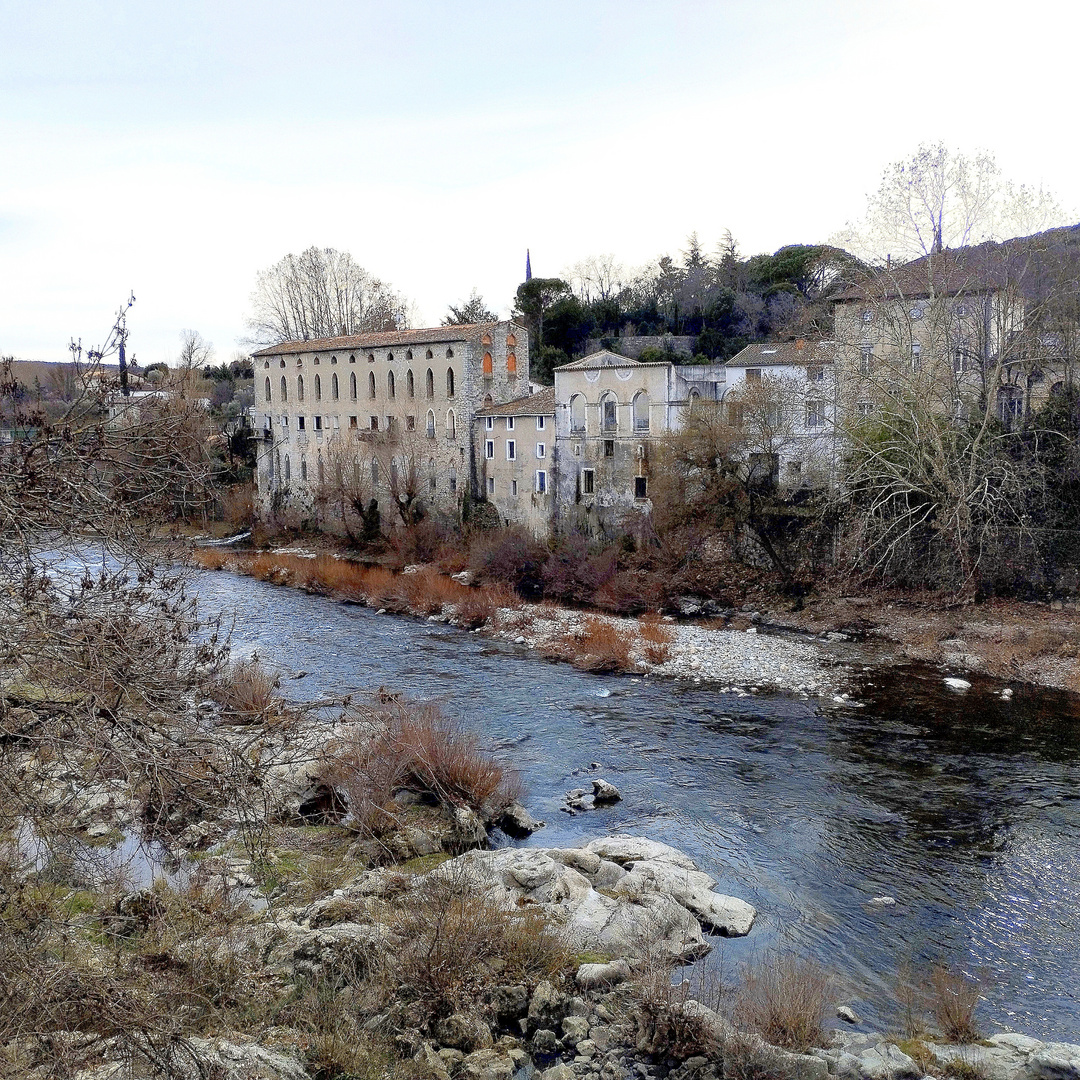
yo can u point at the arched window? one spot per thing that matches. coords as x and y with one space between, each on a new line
408 354
511 341
371 358
282 364
609 412
318 388
284 389
390 388
429 355
431 473
321 473
352 385
303 469
352 358
577 414
488 401
450 382
641 411
374 472
451 425
487 365
371 384
449 354
333 360
334 386
486 339
511 363
299 361
288 470
430 383
453 479
410 385
268 388
266 364
299 387
389 356
430 424
316 361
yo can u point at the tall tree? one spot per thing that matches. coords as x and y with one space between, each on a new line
321 293
473 310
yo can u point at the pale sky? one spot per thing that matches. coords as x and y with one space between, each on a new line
175 149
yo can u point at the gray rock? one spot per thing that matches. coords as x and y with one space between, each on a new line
559 1072
884 1061
847 1014
586 1049
575 1029
468 830
591 976
545 1041
463 1032
604 792
1055 1061
234 1060
608 874
548 1006
631 849
517 822
486 1065
510 1003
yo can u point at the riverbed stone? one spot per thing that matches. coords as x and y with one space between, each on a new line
463 1032
575 1029
517 822
605 792
488 1064
632 849
593 976
885 1061
548 1006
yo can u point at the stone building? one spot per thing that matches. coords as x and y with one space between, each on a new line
515 444
609 412
384 416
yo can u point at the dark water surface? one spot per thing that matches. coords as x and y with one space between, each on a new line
963 807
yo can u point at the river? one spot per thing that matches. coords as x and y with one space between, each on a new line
963 807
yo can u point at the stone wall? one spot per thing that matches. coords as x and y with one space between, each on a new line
634 346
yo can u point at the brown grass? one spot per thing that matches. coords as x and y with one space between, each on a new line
784 999
398 745
656 638
209 558
953 998
664 1027
475 607
238 505
246 692
596 645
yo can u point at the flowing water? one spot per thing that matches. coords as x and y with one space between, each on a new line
962 807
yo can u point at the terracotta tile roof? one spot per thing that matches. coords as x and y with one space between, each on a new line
783 353
542 403
382 340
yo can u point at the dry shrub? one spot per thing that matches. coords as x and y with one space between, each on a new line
245 690
574 572
629 592
512 557
785 999
600 646
953 998
656 638
476 606
426 591
666 1028
450 935
209 558
238 505
396 745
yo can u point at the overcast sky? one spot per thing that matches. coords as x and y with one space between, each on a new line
175 149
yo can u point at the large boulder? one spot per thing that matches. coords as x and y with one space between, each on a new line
1014 1057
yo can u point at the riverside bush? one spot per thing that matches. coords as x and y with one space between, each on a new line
784 999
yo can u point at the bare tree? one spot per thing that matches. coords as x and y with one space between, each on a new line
942 198
195 351
598 277
468 312
321 293
346 485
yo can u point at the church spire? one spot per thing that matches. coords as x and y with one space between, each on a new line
528 266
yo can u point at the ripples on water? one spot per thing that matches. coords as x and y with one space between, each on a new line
965 808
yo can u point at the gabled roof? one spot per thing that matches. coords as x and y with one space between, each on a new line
785 353
542 403
605 358
381 340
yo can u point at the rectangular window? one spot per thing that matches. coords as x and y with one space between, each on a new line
489 448
354 422
389 423
753 374
318 423
815 414
863 409
513 487
611 419
815 373
959 362
410 423
511 450
284 421
489 423
373 423
299 423
609 448
509 423
337 423
916 357
541 482
641 487
541 450
588 481
866 354
491 485
540 421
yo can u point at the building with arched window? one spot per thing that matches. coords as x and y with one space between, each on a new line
432 421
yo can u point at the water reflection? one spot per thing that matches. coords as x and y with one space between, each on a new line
965 808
